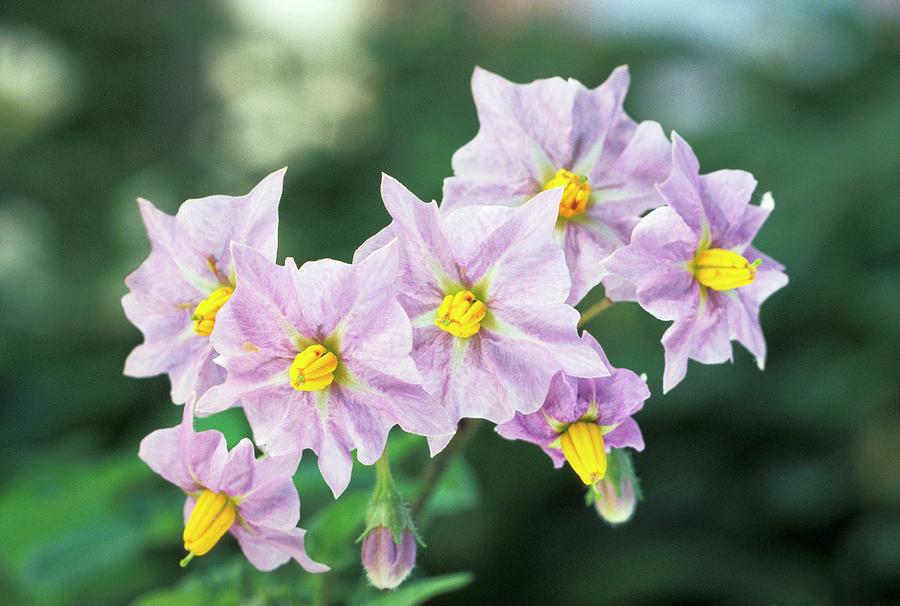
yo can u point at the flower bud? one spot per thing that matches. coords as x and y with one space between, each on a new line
386 561
615 504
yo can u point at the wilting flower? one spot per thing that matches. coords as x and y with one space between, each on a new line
386 561
558 133
253 499
320 358
582 419
177 292
485 289
692 262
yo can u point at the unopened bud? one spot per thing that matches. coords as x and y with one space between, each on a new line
615 504
388 562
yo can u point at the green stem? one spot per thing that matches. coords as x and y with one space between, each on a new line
595 310
438 465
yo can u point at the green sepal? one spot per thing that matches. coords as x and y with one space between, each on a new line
387 507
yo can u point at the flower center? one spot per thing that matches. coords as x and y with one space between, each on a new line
213 514
722 269
313 369
204 315
576 194
582 443
461 314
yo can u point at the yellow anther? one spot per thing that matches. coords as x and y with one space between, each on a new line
576 194
722 269
461 314
313 369
213 514
582 443
204 315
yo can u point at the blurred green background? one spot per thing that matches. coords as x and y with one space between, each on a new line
780 487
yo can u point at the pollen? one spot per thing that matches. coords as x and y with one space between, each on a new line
204 315
576 194
461 314
721 269
313 369
213 514
582 444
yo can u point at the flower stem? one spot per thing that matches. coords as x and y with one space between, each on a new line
437 466
595 310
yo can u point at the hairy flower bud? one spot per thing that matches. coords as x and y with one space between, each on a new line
615 504
386 561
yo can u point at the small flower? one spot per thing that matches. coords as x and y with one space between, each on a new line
692 262
253 499
319 357
582 419
557 133
177 292
485 288
388 562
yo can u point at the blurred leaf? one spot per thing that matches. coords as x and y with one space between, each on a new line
456 492
334 530
413 592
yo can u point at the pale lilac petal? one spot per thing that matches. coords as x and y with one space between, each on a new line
743 307
600 128
520 258
161 453
273 503
743 231
657 261
426 252
586 246
381 239
214 222
617 396
626 435
239 469
726 196
702 336
529 126
488 190
267 548
682 188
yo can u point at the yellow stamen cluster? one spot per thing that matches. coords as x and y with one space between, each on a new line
213 515
576 194
582 443
461 314
721 269
313 369
204 315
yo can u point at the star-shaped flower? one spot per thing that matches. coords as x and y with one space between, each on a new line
253 499
692 262
177 292
558 133
319 357
582 419
485 287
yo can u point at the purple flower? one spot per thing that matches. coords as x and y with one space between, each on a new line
558 133
253 499
582 419
692 262
177 291
388 562
320 358
485 287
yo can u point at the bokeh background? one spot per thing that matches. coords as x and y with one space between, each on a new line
780 487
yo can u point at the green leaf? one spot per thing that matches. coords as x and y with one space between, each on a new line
457 491
413 592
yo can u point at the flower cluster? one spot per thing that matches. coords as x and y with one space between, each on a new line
458 310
